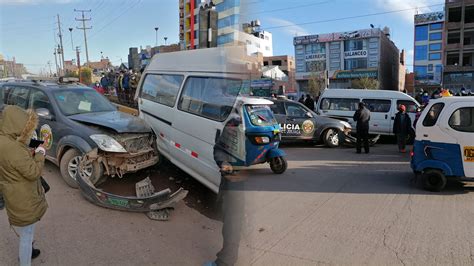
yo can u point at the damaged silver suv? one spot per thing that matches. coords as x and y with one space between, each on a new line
75 121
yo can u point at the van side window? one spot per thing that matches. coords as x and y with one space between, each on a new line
209 97
378 106
462 119
410 105
339 104
18 96
161 88
432 117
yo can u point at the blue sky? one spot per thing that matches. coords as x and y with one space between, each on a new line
27 26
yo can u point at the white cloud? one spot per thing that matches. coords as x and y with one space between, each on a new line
290 27
421 5
35 2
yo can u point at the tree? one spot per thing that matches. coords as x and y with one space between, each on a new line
365 83
86 75
315 84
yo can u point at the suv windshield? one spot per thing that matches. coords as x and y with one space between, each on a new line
261 115
79 101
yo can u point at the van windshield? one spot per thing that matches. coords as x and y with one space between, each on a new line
261 115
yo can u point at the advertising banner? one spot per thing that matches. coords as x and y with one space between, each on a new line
348 74
315 57
355 54
429 18
337 36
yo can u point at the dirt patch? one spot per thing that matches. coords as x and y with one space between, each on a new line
165 176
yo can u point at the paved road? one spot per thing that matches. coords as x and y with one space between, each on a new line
332 207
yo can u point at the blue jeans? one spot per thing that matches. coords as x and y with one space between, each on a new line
26 234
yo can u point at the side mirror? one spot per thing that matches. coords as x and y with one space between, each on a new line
309 114
44 113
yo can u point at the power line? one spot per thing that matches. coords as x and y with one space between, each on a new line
288 8
351 17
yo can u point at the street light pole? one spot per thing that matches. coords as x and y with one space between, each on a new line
166 38
156 36
72 43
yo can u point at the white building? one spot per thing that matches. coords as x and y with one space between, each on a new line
258 42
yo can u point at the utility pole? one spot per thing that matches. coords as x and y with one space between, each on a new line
56 61
84 28
60 61
61 43
50 72
78 63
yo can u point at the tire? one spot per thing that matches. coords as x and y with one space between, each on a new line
331 138
433 180
69 164
278 165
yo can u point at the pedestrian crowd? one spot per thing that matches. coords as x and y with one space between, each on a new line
121 84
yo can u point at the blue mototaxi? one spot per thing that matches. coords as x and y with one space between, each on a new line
251 136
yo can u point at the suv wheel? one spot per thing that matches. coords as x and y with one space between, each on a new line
331 138
69 166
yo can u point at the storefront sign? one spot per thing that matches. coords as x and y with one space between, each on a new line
429 18
315 57
337 36
344 74
355 54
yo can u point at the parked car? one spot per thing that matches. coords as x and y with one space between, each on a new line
383 104
444 144
75 120
299 123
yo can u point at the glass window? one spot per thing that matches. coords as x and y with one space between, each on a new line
421 33
410 105
295 110
80 101
308 49
161 88
436 26
228 21
278 108
339 104
421 52
354 45
38 99
463 119
378 106
432 116
19 97
435 47
356 63
209 97
261 115
225 38
435 56
430 68
315 66
420 72
436 36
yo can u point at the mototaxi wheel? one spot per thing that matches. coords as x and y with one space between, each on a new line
433 180
278 165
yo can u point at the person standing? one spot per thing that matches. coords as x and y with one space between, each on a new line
362 117
301 100
402 127
309 102
20 184
120 91
126 87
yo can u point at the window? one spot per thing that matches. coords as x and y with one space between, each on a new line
339 104
261 115
225 38
432 116
276 63
318 48
462 120
38 99
454 37
421 72
435 47
357 63
436 26
435 56
430 68
278 108
354 45
161 89
18 96
410 105
315 66
421 33
421 52
295 110
74 101
454 14
228 21
436 36
378 106
209 97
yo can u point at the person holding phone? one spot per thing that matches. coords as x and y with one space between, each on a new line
20 172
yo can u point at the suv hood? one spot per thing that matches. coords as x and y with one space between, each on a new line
118 121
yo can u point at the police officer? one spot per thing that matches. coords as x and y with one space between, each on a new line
362 117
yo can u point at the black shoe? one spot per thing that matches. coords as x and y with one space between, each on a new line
35 253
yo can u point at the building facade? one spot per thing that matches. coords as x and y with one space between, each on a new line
257 42
459 48
343 57
428 50
287 64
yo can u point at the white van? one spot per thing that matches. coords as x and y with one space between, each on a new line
383 105
187 98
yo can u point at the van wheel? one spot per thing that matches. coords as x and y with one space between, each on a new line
433 180
278 165
69 166
331 138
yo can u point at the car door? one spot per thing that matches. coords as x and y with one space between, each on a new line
48 129
380 116
279 111
460 125
298 122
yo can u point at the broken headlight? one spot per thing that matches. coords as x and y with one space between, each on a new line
107 143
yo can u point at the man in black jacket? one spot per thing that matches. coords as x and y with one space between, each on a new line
362 117
402 127
309 102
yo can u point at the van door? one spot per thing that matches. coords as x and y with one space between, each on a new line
380 116
157 98
461 126
203 107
